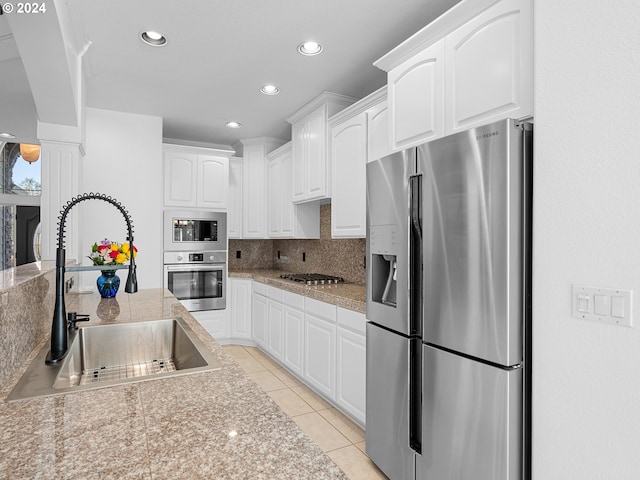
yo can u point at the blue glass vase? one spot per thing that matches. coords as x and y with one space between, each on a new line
108 283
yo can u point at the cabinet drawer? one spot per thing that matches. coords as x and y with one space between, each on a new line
261 288
320 309
294 300
352 320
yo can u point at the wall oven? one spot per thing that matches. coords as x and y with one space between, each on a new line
195 230
197 279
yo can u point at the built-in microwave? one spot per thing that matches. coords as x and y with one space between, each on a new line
195 230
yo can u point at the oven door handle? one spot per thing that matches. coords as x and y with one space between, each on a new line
194 268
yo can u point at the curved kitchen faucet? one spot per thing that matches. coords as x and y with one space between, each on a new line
59 336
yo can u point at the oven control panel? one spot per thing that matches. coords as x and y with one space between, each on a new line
204 257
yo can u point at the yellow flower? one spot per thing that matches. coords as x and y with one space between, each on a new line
114 246
125 248
121 258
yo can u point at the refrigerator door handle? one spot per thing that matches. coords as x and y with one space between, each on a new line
415 255
415 395
415 313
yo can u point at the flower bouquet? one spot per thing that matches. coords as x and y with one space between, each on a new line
111 253
107 253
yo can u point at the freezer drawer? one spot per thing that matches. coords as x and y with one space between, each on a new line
471 419
387 433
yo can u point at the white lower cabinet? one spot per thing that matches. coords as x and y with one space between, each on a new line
276 323
351 363
214 321
260 317
319 353
240 300
293 332
323 345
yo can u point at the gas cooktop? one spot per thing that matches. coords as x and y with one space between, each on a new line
312 278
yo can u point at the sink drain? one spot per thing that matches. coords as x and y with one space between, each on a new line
121 372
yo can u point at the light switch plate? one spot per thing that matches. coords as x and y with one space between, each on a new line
609 305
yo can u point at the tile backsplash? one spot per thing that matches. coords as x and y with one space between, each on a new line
339 257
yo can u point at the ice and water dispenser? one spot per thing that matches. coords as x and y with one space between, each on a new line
383 264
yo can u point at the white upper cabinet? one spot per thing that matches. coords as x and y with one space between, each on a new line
416 98
378 138
350 142
180 171
234 204
284 218
309 136
212 182
471 66
254 184
196 177
489 65
349 156
279 191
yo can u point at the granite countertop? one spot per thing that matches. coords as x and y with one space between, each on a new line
175 427
15 276
347 295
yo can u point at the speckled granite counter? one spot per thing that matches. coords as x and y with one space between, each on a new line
347 295
171 428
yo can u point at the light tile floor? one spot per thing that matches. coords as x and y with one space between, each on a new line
337 435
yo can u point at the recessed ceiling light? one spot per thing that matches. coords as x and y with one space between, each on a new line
233 124
310 48
270 90
7 135
154 39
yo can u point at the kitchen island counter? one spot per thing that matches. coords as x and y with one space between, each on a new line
176 427
346 295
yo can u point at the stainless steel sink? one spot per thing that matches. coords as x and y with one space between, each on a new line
106 355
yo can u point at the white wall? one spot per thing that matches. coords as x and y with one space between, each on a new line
123 160
586 419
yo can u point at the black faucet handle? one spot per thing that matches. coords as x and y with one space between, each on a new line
73 318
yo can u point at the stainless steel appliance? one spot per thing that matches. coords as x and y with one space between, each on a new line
194 230
197 279
449 307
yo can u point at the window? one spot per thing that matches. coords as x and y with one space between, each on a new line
20 190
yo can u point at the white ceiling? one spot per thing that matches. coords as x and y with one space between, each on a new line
219 53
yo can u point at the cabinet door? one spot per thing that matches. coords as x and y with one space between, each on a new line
240 308
351 373
260 324
276 329
212 182
254 182
489 67
214 322
349 158
299 168
416 98
287 209
234 206
319 354
293 339
180 171
317 176
378 138
274 196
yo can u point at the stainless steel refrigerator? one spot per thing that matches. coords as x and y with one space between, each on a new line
449 307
